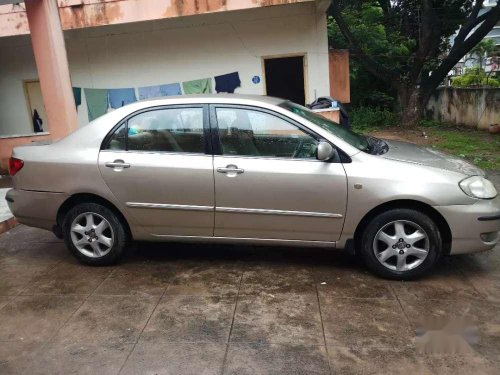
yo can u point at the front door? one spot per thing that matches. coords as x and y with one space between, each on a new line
285 78
268 182
157 165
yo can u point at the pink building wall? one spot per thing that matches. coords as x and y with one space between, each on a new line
76 14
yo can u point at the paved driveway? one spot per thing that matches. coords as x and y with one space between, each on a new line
185 309
210 309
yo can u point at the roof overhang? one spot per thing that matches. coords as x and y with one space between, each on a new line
77 14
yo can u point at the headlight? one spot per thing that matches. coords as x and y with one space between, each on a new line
478 187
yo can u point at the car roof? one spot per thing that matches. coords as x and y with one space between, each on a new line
214 98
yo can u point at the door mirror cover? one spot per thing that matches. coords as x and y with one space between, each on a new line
325 151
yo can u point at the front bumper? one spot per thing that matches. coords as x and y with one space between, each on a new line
474 227
35 208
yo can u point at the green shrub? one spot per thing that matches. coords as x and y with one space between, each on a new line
367 118
475 77
429 123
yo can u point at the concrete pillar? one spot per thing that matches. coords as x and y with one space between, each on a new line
52 65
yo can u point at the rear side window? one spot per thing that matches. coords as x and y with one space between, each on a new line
162 130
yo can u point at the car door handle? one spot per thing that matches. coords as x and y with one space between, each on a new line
117 164
230 169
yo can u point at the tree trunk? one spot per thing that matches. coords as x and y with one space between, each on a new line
411 106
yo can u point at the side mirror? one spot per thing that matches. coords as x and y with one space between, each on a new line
325 151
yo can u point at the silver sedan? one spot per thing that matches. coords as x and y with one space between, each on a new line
254 170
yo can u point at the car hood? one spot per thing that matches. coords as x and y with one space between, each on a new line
411 153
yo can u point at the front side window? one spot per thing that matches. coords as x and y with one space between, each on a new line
162 130
248 132
356 140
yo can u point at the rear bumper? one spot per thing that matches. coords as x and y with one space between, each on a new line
474 227
35 208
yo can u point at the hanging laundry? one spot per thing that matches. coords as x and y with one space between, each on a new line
149 92
97 102
171 89
198 86
37 122
77 94
120 97
227 82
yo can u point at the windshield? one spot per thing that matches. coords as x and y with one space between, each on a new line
359 141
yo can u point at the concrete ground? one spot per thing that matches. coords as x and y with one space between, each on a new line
193 309
4 209
5 184
5 181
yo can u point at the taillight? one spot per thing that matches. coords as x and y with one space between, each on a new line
15 165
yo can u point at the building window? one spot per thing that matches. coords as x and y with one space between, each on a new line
36 107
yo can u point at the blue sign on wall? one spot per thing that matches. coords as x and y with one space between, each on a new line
256 79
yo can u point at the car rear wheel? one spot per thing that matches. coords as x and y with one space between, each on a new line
94 234
401 244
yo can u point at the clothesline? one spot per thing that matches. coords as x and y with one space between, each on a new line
99 101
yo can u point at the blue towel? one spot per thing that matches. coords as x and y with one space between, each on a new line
120 97
171 89
227 82
149 92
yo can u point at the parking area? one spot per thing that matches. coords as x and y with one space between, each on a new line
183 309
207 309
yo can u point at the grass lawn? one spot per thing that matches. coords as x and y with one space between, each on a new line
478 147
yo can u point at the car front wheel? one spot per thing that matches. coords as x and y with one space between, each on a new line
94 234
401 244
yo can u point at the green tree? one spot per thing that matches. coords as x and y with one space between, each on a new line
367 90
405 43
484 49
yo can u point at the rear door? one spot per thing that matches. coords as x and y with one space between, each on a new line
268 182
158 163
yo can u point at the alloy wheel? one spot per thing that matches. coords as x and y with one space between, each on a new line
92 235
401 245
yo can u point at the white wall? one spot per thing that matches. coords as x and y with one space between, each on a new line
175 50
16 64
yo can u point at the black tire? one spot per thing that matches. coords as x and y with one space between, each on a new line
119 234
410 216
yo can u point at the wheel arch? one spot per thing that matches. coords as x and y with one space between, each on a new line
430 211
79 198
